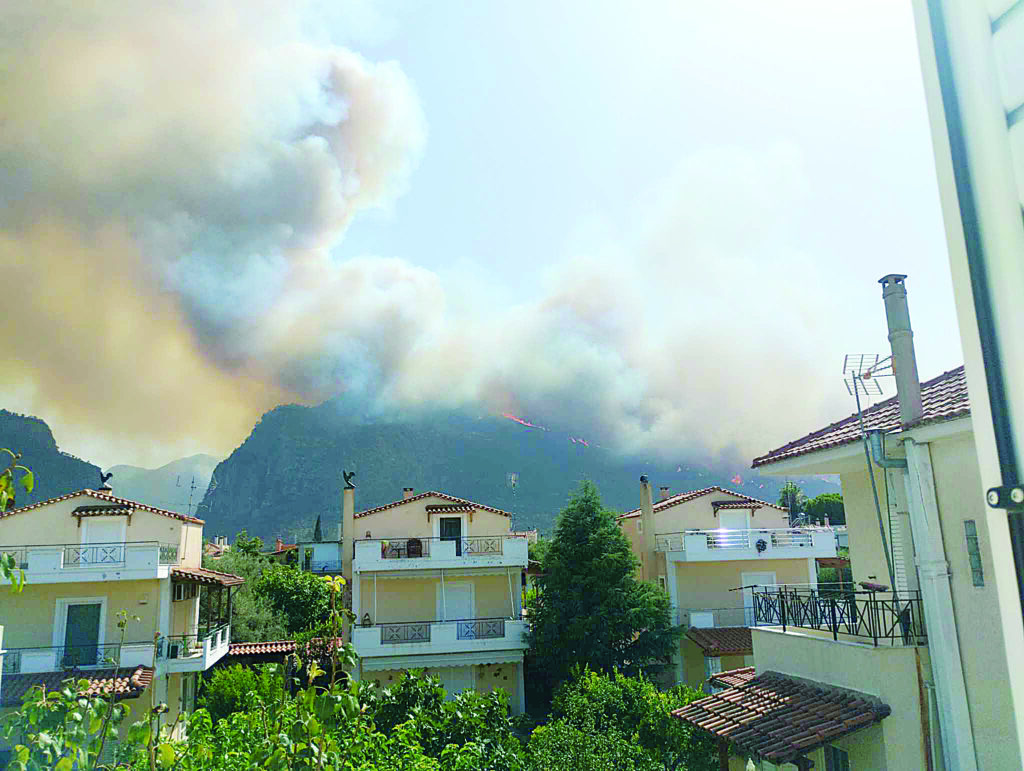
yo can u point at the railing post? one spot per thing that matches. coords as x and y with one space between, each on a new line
782 608
832 614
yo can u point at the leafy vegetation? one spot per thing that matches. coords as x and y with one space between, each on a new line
590 608
826 505
253 617
228 689
299 597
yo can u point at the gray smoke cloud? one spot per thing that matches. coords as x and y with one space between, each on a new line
177 175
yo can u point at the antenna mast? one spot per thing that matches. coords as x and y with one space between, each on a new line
512 481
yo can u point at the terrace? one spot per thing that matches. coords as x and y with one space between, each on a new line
456 636
422 552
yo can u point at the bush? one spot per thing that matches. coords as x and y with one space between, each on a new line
231 689
561 746
303 599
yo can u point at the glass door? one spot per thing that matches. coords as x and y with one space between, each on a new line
451 530
82 635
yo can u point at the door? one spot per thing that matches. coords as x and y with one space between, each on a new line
82 635
104 539
458 601
750 579
456 680
451 530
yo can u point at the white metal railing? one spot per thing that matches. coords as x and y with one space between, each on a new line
759 539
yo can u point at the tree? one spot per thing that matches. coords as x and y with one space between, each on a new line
318 534
8 565
301 598
246 545
826 505
591 610
253 617
793 498
538 549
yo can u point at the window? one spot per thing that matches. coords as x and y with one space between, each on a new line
974 552
663 583
836 759
185 592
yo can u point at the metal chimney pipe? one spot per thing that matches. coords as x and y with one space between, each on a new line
901 340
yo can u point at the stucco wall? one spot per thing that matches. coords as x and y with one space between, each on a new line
35 608
867 557
416 598
960 497
707 584
889 673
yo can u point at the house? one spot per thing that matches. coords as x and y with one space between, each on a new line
88 555
437 585
909 670
283 553
708 548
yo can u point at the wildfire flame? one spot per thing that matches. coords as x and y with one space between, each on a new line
521 421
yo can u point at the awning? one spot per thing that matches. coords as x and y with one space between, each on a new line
723 640
204 576
780 718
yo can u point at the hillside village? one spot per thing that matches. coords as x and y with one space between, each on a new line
539 463
733 612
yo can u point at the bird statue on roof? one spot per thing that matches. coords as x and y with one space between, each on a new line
349 484
103 480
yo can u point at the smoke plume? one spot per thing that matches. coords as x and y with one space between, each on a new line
177 175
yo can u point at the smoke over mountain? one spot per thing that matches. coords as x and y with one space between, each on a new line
176 175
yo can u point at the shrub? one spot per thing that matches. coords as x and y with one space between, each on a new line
231 689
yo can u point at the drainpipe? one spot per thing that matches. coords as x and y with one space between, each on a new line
878 451
648 563
932 567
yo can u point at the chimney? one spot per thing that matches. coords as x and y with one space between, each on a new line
348 531
901 340
663 494
647 555
406 493
278 544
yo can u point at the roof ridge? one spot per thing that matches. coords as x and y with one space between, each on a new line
427 494
101 496
699 493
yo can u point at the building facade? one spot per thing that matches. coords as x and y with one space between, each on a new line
87 556
708 549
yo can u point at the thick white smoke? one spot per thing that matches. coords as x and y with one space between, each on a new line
177 173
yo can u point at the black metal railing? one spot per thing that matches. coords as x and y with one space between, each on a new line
77 555
896 620
416 547
481 629
61 657
409 632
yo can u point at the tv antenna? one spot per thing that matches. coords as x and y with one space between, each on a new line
512 482
861 373
191 491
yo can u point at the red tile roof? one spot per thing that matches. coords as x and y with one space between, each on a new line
261 648
944 398
427 494
781 718
121 503
733 677
206 576
684 497
125 683
723 640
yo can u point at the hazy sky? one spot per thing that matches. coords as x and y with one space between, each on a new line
657 223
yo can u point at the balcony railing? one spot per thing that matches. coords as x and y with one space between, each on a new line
895 620
183 646
70 556
419 631
67 657
740 539
324 566
416 547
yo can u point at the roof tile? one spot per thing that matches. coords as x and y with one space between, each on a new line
427 494
780 718
206 576
120 502
722 640
944 398
684 497
125 683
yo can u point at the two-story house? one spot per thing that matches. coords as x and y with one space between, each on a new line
709 549
85 557
436 585
907 671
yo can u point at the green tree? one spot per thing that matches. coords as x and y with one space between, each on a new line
8 487
826 505
301 598
793 498
232 689
318 533
253 617
632 707
591 610
246 545
539 549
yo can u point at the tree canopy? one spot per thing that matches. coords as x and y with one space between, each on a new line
591 610
793 498
827 505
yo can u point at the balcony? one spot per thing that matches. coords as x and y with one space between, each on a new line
723 545
418 553
883 618
73 562
76 657
436 637
192 652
